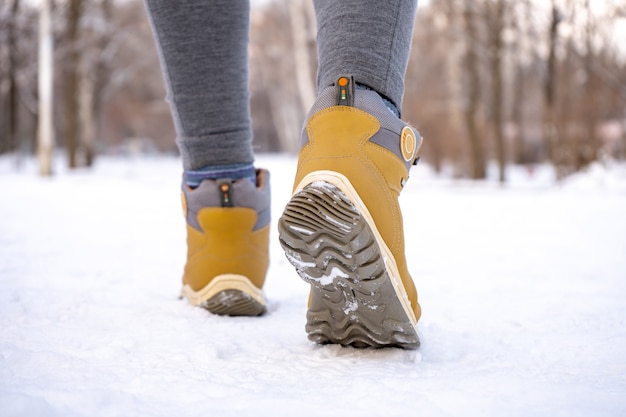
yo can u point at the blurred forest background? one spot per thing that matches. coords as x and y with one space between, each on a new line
489 82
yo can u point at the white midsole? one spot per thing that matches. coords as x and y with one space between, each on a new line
343 183
222 283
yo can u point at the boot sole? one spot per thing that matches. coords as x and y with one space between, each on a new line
357 298
228 295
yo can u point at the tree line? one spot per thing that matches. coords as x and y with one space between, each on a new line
489 82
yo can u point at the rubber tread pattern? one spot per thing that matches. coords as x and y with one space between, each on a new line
233 303
332 247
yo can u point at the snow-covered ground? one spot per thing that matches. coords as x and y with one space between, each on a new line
523 289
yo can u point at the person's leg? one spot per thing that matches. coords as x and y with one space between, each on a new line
203 47
368 39
342 229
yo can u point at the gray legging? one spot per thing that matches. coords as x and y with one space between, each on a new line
203 46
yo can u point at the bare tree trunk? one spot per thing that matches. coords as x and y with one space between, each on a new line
497 27
622 151
479 170
71 83
45 134
519 86
13 93
86 114
550 131
587 152
93 87
454 81
302 58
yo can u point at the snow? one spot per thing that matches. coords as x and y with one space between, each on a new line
334 273
523 290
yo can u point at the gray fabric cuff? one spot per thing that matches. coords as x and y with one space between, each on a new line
368 39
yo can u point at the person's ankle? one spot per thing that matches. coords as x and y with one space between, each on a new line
234 172
392 107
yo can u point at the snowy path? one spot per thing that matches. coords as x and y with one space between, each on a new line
523 291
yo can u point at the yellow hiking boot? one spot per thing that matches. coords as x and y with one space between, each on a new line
227 245
342 229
